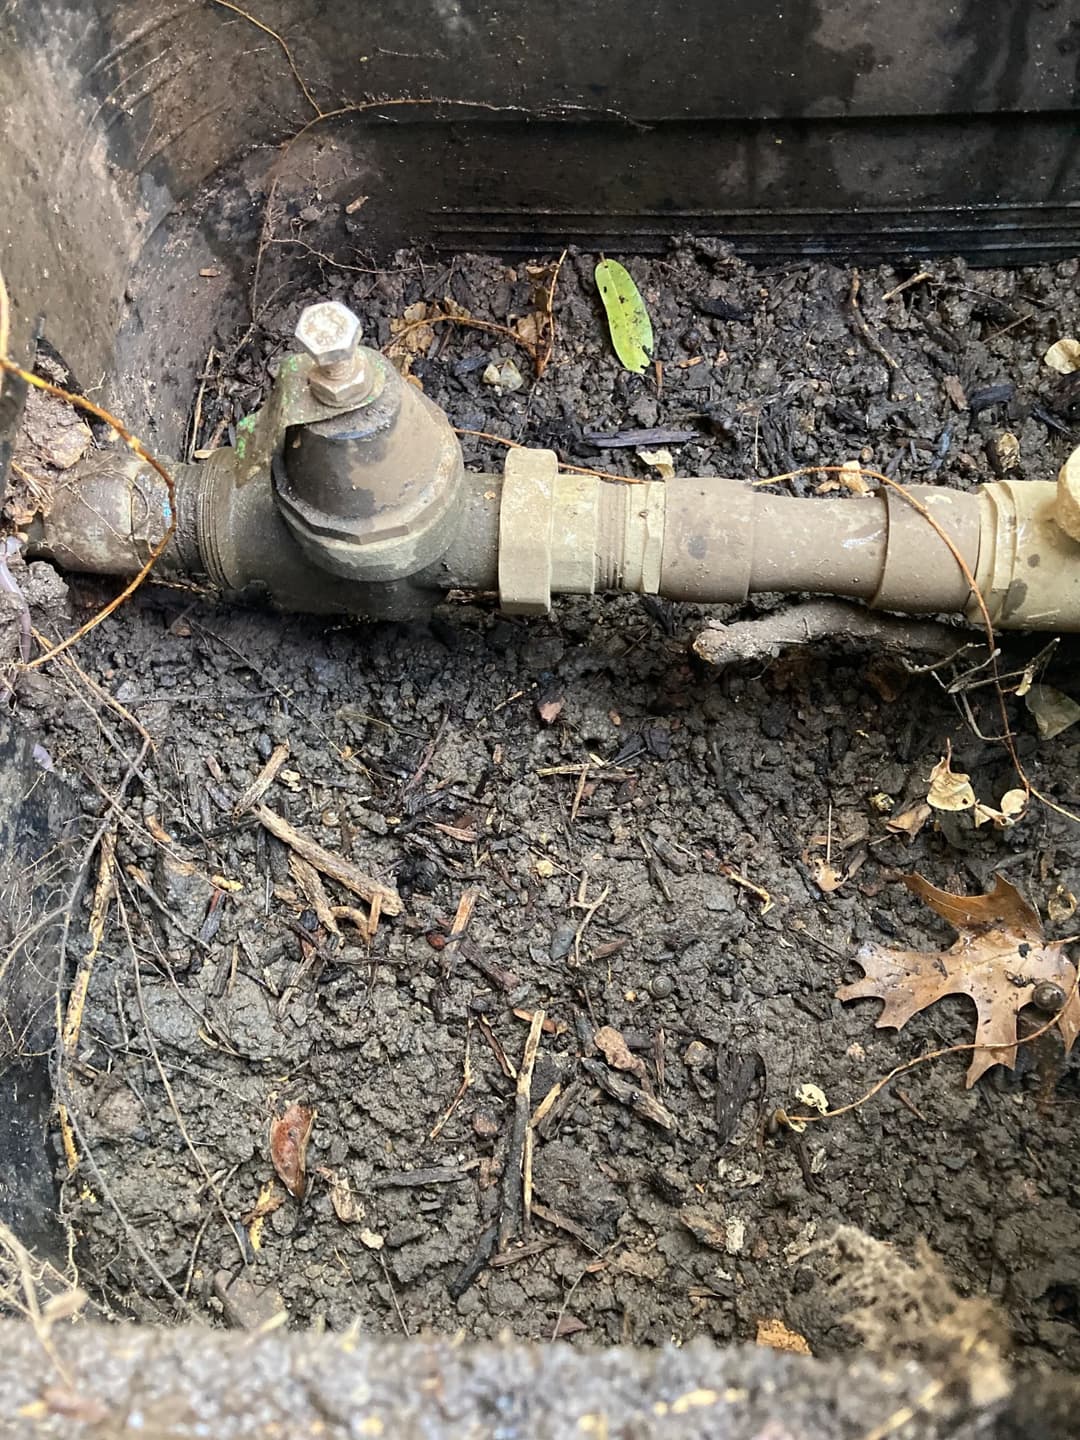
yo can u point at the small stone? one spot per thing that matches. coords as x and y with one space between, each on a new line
661 987
696 1054
504 376
562 941
246 1304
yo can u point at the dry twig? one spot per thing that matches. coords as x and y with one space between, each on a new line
515 1181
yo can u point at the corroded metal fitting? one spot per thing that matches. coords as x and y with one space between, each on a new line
331 333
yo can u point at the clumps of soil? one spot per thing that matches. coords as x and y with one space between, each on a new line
580 765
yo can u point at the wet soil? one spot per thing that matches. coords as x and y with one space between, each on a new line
644 838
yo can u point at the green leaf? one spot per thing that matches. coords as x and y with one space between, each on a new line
628 320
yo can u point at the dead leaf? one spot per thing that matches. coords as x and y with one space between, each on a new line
954 389
1053 711
998 959
412 336
1064 355
851 478
774 1334
549 710
568 1325
949 789
826 877
888 679
1061 905
270 1199
612 1045
1014 805
347 1206
848 477
661 462
704 1228
530 329
1007 450
289 1136
812 1096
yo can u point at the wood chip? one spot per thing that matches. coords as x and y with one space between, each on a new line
262 782
632 1096
774 1334
612 1045
307 877
517 1180
334 866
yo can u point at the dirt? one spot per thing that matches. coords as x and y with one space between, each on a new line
644 850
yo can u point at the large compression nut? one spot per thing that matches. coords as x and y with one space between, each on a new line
373 493
525 521
574 534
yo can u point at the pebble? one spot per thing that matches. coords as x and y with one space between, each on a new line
562 941
504 376
696 1054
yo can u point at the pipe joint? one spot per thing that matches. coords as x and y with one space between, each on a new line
574 534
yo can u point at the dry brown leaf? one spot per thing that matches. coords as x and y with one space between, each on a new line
1014 805
776 1335
289 1136
703 1227
347 1206
998 960
826 877
949 789
529 329
847 477
954 389
53 432
270 1199
1061 905
910 821
661 462
1064 355
1007 449
412 336
612 1045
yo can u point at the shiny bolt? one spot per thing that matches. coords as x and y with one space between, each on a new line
330 333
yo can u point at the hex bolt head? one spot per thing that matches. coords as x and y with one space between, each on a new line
329 332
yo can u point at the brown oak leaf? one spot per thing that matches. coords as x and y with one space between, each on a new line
289 1136
998 960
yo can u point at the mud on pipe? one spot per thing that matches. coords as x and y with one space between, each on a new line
346 494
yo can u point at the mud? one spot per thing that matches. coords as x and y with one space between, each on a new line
614 846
